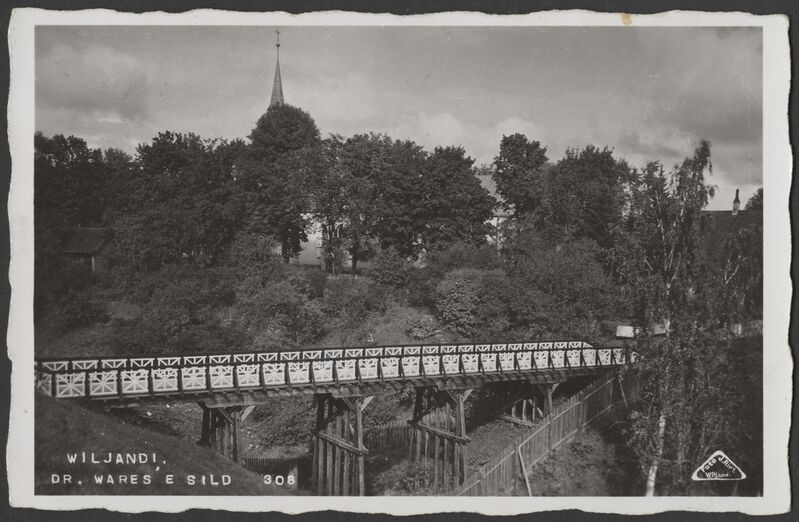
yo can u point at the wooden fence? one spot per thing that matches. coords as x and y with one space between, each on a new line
500 475
393 434
568 419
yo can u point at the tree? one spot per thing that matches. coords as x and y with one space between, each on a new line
731 277
275 173
69 182
121 173
658 241
558 286
656 257
585 193
339 199
283 129
519 173
398 177
455 206
178 206
756 201
68 191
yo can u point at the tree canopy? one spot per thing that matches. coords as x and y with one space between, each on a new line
756 201
274 175
519 173
456 206
585 193
281 130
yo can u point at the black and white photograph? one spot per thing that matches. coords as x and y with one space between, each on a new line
275 259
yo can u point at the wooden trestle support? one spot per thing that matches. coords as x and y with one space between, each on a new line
524 402
221 428
338 450
439 439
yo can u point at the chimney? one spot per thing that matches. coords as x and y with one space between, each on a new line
736 204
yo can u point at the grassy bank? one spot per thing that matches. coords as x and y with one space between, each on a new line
65 430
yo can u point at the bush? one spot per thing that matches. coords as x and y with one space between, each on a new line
422 282
174 307
316 281
421 286
420 327
351 299
406 479
284 312
463 255
135 338
182 310
468 300
391 269
76 310
210 338
255 255
558 290
209 282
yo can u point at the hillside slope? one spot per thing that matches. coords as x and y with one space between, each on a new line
65 430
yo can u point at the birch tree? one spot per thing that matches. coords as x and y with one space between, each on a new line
655 257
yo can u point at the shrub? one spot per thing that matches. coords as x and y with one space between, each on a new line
181 310
190 301
422 282
406 479
256 255
284 311
558 290
391 269
457 300
76 310
474 302
135 338
316 281
421 286
351 299
210 338
463 255
420 326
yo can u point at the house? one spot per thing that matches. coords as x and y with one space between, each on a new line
84 246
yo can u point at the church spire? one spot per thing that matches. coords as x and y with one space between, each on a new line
277 86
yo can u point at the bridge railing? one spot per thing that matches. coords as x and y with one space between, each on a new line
109 377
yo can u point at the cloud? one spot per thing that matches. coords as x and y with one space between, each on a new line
648 93
631 141
96 83
480 142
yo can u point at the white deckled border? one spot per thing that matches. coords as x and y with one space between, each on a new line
777 359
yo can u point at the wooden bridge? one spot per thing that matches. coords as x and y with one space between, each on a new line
343 381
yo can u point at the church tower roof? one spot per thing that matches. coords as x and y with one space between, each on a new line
277 86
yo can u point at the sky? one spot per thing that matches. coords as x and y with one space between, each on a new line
648 93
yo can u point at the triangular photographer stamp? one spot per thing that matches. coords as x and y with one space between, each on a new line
718 467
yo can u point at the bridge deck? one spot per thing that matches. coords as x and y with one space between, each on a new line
251 376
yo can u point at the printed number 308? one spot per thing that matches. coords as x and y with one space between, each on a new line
280 480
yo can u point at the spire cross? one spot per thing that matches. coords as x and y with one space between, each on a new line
277 32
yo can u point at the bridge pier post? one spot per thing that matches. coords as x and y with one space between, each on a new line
522 404
338 460
439 435
221 429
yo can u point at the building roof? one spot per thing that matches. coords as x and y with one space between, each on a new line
86 240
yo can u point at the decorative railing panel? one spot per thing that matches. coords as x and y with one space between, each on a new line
104 377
